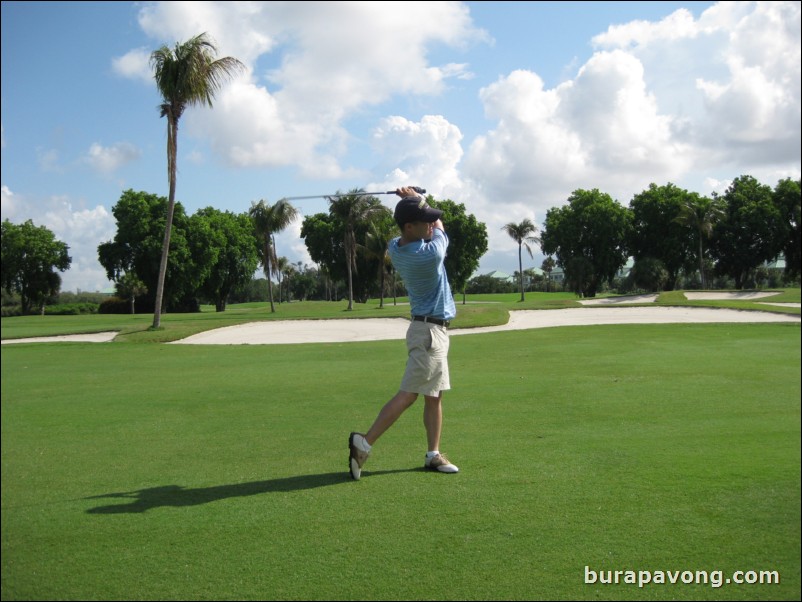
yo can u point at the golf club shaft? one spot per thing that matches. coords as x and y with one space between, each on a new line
324 196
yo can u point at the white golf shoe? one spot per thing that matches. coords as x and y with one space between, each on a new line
440 463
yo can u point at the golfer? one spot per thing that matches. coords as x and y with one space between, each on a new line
418 255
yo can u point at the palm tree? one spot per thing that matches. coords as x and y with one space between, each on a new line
288 271
523 234
267 220
281 271
185 76
353 210
129 286
701 214
376 240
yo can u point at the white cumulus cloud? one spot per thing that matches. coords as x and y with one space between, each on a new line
107 159
311 66
81 228
134 64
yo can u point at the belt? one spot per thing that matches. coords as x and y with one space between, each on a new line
438 321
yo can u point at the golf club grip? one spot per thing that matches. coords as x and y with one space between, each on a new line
417 189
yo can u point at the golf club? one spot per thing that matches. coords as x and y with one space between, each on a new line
323 196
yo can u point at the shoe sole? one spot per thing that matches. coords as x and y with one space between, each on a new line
356 472
442 471
437 469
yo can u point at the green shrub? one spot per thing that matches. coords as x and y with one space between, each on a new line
10 310
114 305
71 309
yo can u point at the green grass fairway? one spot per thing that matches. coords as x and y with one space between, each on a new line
184 472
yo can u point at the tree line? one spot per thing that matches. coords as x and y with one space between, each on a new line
669 231
215 254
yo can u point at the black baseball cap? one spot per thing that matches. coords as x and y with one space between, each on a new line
415 209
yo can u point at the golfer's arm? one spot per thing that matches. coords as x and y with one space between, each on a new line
439 225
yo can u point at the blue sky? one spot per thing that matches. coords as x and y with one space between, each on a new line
507 107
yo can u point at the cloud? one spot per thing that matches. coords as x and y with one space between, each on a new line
310 69
82 229
731 79
108 159
678 25
245 30
695 101
134 64
600 130
657 100
10 204
417 153
679 100
755 111
664 101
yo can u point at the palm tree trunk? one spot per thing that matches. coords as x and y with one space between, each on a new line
172 150
269 281
701 263
520 271
350 287
157 310
381 289
350 252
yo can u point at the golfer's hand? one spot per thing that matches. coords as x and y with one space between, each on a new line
406 191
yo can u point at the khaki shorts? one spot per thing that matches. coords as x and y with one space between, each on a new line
427 362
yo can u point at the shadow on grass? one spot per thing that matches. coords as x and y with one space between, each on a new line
177 496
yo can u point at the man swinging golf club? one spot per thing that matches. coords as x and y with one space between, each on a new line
418 255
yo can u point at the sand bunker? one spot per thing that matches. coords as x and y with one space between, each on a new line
379 329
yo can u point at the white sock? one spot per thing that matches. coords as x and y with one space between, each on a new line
362 444
432 454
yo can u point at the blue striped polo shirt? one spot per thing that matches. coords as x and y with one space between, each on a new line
421 265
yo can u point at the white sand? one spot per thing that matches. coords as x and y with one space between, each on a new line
619 300
734 296
369 329
97 337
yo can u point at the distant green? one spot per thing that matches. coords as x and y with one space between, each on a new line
472 311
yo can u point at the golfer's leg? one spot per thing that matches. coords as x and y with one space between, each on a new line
433 420
389 414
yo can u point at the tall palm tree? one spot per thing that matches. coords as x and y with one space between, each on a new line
185 76
353 210
701 214
267 220
524 235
